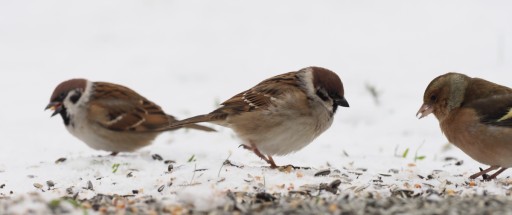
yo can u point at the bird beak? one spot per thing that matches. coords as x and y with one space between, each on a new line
424 111
55 106
341 102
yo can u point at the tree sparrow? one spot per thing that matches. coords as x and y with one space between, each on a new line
108 116
281 114
475 115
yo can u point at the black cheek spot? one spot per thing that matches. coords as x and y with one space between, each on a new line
322 95
74 98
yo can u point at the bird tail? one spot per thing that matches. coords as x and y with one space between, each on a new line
191 123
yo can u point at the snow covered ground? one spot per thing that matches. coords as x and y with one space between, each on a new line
188 56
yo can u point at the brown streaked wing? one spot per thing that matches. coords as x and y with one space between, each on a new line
119 108
260 96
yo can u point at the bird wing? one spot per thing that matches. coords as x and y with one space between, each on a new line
119 108
496 110
262 96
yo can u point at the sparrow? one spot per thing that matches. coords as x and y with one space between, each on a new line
282 114
475 115
110 117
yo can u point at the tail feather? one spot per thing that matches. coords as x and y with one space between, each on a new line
199 127
191 123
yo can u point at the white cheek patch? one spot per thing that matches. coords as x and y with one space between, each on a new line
307 79
73 108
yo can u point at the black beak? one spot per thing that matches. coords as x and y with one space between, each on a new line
55 106
341 102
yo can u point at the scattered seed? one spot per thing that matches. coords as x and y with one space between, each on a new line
385 175
60 160
458 163
69 190
170 168
96 206
157 157
221 180
129 175
333 186
228 162
323 172
449 158
394 171
345 153
421 177
50 184
362 169
403 193
265 197
38 186
429 185
31 176
89 186
2 186
161 188
200 170
169 161
378 180
135 191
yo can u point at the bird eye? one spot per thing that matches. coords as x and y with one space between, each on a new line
433 98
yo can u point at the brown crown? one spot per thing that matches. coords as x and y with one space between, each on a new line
67 86
328 80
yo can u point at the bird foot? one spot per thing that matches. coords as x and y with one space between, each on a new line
484 174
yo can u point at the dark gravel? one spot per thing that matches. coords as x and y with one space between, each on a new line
265 203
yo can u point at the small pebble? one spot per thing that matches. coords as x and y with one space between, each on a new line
38 186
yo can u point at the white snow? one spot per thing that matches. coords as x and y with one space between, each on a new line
188 56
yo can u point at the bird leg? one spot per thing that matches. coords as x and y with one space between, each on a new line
493 176
253 148
491 168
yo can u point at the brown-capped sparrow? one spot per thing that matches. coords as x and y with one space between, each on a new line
108 116
282 114
475 115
